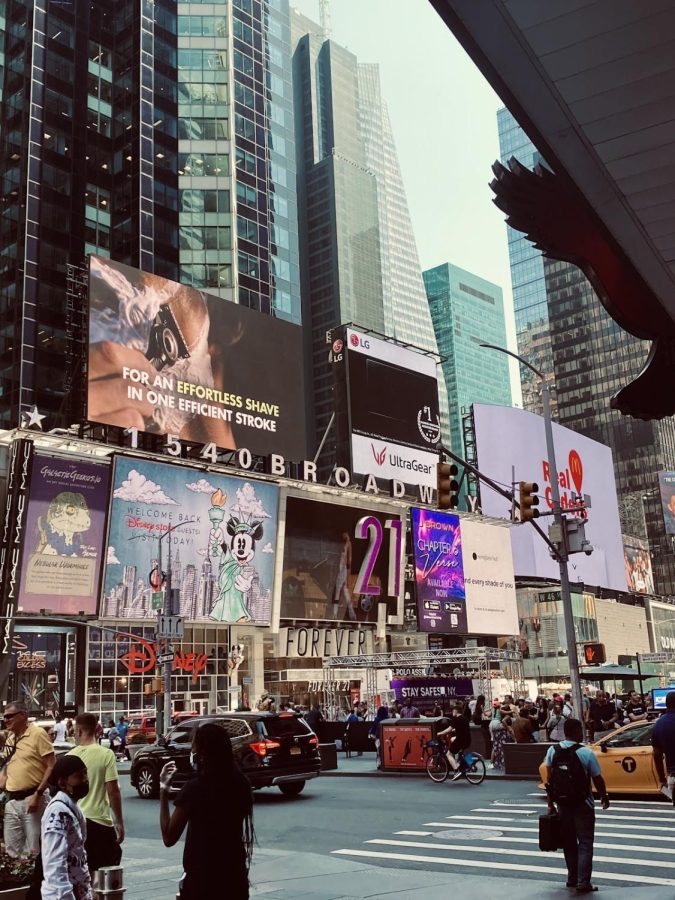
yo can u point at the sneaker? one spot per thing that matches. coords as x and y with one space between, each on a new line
458 774
587 889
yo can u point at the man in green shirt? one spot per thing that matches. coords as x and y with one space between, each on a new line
104 800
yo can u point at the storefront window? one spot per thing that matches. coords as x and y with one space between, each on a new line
42 671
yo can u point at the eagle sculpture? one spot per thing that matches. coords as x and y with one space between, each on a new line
551 212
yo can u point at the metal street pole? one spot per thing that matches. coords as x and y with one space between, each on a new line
559 519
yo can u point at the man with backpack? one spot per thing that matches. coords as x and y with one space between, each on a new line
570 768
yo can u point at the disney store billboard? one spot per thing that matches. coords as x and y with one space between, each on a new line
221 532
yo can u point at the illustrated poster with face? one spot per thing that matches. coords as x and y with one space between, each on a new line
65 529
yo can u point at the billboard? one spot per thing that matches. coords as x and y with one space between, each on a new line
340 561
65 534
509 438
388 421
464 575
667 491
638 562
170 359
219 530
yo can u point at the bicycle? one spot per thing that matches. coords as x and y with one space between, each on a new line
471 764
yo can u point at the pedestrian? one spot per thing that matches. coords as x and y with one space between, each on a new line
570 767
523 728
437 711
409 711
314 718
31 760
122 728
64 831
60 730
102 807
555 726
635 708
478 711
375 732
217 807
603 714
502 734
113 736
663 746
353 717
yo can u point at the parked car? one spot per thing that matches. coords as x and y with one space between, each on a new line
626 761
272 749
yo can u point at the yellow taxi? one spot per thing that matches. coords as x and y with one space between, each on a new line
625 758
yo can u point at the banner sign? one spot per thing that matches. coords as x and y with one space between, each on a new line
667 490
170 359
427 691
11 541
464 575
316 643
65 533
212 536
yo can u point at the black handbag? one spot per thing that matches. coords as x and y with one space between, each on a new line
549 832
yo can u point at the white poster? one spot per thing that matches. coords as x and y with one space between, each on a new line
488 578
509 439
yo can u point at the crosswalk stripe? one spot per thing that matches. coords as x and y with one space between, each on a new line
505 851
658 801
601 821
490 864
415 833
598 833
668 810
600 814
522 840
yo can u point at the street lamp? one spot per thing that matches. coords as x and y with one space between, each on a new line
559 519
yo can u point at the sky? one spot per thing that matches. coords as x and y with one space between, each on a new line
444 118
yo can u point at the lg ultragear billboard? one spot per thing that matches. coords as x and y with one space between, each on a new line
171 359
386 401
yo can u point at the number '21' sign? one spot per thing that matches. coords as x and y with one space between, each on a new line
370 528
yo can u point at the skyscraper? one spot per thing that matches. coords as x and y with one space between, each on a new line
527 279
158 134
359 261
590 357
467 310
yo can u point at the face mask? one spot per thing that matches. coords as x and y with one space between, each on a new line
79 791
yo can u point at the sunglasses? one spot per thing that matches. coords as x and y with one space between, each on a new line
8 716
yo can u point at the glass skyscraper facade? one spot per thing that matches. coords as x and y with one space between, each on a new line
467 310
527 278
359 261
157 133
589 357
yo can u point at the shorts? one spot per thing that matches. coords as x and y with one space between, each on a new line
101 846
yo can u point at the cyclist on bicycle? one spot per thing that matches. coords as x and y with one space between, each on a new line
458 729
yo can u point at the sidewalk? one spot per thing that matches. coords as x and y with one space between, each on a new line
365 766
152 872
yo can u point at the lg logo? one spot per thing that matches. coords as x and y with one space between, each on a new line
357 341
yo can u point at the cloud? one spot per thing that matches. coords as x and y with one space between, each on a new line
201 487
112 559
268 548
140 489
248 504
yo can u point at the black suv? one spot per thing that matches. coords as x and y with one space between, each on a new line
272 749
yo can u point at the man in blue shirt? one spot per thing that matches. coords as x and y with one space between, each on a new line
577 823
663 743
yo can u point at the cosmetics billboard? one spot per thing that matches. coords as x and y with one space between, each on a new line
463 575
65 532
214 536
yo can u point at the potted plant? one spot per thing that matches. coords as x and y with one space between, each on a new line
15 875
134 744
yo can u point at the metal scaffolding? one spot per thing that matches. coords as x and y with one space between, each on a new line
478 663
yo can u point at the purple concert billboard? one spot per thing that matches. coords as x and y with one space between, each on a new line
65 532
439 571
431 690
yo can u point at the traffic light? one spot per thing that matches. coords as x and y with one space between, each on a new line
155 686
447 487
594 654
528 500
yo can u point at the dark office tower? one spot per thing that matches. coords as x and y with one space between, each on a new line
563 329
158 134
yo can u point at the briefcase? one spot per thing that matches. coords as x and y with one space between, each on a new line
549 832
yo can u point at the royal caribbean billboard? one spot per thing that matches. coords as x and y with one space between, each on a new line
172 360
386 399
509 439
213 535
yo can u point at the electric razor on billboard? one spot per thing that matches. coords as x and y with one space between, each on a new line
166 344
